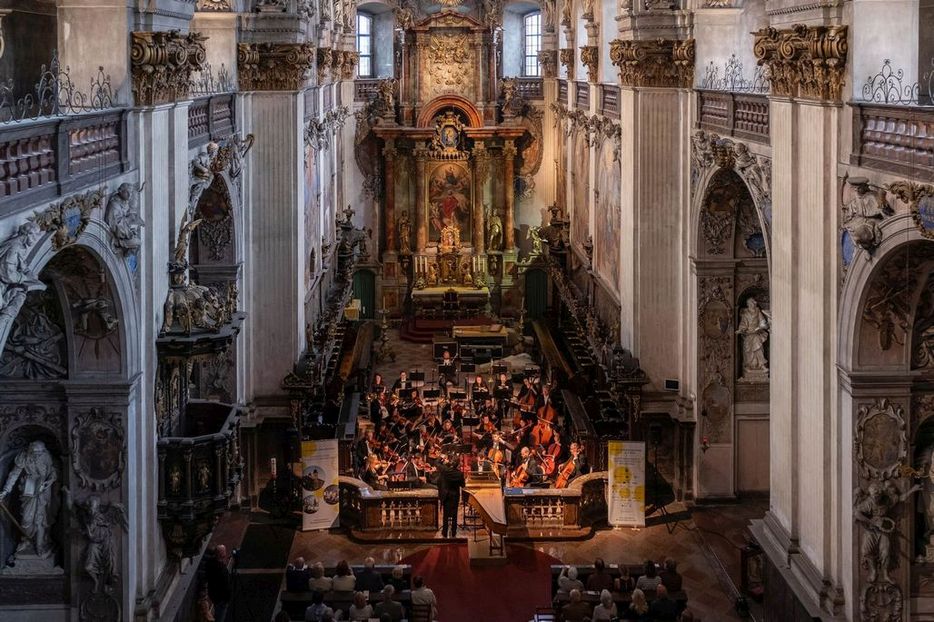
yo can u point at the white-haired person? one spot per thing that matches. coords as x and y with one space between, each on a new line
568 581
368 580
606 610
318 582
575 610
360 610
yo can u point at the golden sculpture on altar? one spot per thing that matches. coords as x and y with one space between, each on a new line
450 239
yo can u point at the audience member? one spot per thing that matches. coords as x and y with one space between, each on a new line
624 583
670 577
568 581
297 575
360 610
388 606
600 579
575 610
422 595
343 579
649 581
606 610
318 582
217 576
663 608
638 609
688 616
369 580
317 610
398 580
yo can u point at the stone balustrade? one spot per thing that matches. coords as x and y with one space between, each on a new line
742 115
896 139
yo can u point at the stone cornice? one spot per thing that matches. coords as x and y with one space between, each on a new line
804 61
273 66
161 64
665 63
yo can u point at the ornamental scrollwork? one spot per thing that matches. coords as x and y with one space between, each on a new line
98 449
881 440
161 64
657 63
804 61
274 66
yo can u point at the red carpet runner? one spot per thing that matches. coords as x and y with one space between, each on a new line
507 593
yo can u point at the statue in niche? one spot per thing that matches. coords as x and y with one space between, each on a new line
123 217
754 324
34 473
495 230
405 233
97 522
873 509
386 92
15 278
864 213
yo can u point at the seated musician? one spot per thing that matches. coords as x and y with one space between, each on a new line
478 390
432 423
447 369
412 406
375 474
377 387
542 434
527 388
449 433
529 468
544 401
485 431
402 384
503 383
365 448
577 460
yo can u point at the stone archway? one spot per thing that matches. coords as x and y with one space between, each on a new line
732 332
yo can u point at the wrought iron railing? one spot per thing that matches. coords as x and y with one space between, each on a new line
731 77
206 82
55 94
889 86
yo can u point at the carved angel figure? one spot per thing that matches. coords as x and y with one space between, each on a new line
15 278
201 174
510 92
97 522
864 213
123 217
239 147
386 90
873 509
535 235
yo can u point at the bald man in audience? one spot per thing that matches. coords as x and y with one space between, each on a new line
576 610
368 579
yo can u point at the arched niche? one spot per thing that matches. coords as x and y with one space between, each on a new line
732 338
460 105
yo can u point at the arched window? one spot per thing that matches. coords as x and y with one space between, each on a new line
532 43
365 45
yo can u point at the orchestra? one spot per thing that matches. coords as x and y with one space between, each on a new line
516 433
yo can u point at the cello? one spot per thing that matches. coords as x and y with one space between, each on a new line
568 468
546 411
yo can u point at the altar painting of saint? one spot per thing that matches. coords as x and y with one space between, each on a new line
448 198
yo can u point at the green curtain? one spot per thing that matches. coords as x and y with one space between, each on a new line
364 288
536 293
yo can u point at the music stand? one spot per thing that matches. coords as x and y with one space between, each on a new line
417 378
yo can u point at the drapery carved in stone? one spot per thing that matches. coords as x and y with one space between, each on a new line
161 64
35 348
658 63
274 66
804 61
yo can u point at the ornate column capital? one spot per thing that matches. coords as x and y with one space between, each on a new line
324 63
337 64
350 64
590 58
273 66
667 63
804 61
548 59
566 56
161 64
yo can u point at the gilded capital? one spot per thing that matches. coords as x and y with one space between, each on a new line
548 59
273 66
324 63
804 61
349 68
666 63
161 64
566 55
337 64
590 58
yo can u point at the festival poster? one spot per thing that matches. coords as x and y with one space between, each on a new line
320 485
626 488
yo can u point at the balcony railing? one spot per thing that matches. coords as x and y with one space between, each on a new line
894 138
563 91
742 115
365 89
211 118
582 94
43 159
530 88
609 99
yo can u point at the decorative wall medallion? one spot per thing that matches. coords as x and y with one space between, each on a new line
881 439
881 602
69 218
920 200
98 449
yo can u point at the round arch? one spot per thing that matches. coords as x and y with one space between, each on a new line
433 108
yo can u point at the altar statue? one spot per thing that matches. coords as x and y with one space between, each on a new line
405 234
495 230
754 330
450 238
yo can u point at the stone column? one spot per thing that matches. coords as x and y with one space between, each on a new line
509 181
481 169
389 194
421 209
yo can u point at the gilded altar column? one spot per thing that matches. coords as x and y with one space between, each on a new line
481 168
389 192
421 211
509 180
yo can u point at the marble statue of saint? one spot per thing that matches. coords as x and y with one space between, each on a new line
864 213
201 174
873 509
405 233
15 278
123 218
386 90
753 329
495 230
97 522
34 473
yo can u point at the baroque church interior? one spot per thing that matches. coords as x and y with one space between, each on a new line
456 310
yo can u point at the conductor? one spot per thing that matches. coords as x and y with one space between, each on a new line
450 482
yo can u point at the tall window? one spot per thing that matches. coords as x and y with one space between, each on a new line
365 45
532 43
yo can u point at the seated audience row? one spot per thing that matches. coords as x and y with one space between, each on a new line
662 608
601 579
299 577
